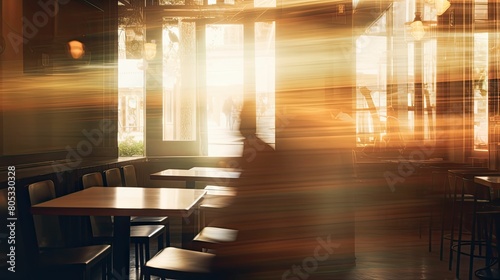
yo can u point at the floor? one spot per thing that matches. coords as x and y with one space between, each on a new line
389 250
391 240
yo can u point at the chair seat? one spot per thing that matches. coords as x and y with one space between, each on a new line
145 232
212 237
215 201
220 190
137 233
160 220
216 235
76 256
179 264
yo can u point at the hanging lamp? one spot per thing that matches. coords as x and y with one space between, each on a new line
417 27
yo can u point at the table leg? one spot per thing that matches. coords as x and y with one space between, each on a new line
188 229
121 247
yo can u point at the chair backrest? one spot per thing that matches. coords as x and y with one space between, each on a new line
101 225
129 176
47 228
113 177
92 180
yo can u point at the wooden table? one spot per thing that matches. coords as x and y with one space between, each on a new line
123 202
492 182
212 175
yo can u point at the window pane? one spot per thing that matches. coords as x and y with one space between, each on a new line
224 47
179 81
481 91
264 3
265 80
371 101
130 94
429 88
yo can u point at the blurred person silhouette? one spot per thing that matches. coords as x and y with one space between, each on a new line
287 202
257 210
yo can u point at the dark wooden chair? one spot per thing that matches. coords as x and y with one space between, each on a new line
130 180
182 264
214 203
55 260
210 238
140 235
113 177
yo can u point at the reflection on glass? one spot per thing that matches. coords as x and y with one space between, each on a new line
371 94
264 79
224 57
481 91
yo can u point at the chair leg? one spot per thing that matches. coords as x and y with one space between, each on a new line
104 268
430 231
475 223
136 255
447 197
109 267
460 232
167 235
144 276
87 275
147 256
141 253
452 230
160 242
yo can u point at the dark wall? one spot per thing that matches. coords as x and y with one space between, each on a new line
55 107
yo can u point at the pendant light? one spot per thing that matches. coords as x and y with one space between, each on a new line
417 27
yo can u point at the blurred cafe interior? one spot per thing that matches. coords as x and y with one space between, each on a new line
250 139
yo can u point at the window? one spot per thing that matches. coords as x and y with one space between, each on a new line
480 91
130 92
371 95
396 82
196 110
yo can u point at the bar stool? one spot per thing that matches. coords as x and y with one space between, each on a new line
488 218
466 197
490 230
436 193
450 196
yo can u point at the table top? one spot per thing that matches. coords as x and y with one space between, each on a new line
215 169
123 201
478 170
194 174
414 161
488 181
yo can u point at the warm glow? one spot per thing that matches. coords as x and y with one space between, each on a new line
76 49
149 50
417 30
442 6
